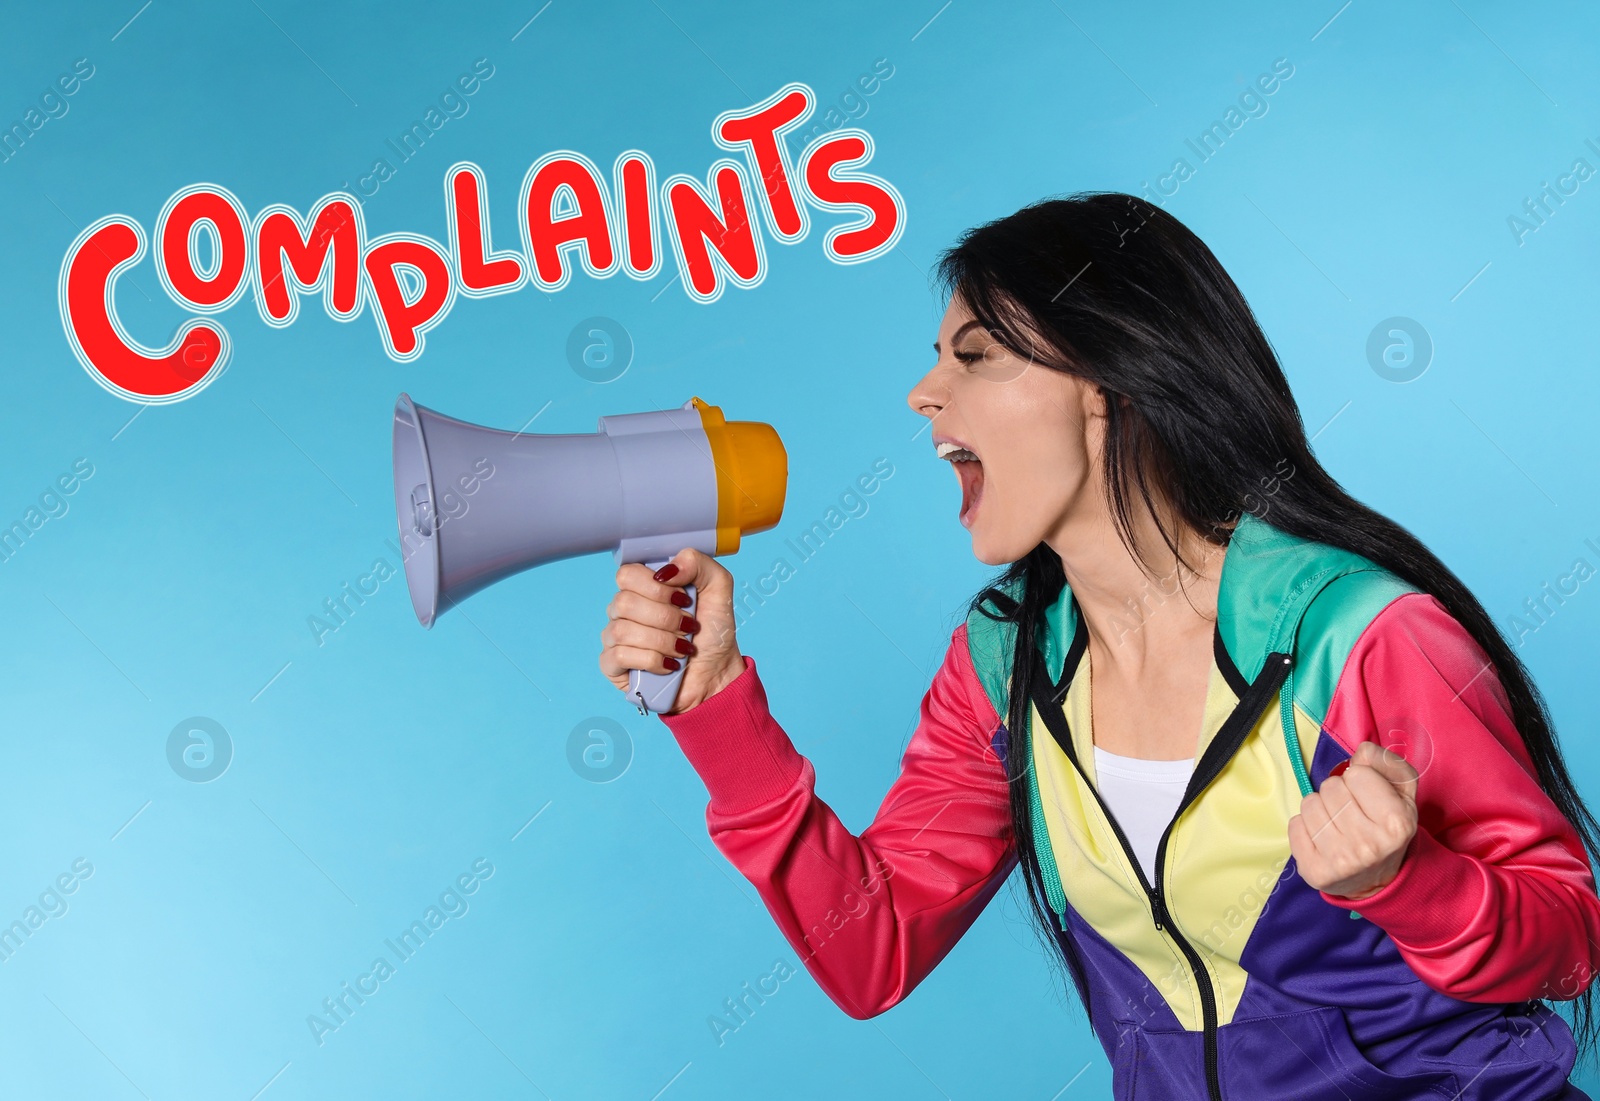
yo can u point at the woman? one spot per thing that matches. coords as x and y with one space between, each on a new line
1310 834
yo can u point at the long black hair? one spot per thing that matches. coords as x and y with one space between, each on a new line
1199 419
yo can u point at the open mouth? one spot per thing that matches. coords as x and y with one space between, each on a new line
969 469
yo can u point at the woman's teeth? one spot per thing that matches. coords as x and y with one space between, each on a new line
969 470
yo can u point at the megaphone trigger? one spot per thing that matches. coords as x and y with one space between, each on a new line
659 691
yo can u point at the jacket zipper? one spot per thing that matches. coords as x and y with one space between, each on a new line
1218 753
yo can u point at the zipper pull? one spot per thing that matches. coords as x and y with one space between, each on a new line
1158 909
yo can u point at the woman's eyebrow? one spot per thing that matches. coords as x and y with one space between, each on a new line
959 333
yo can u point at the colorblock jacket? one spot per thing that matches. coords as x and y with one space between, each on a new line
1229 976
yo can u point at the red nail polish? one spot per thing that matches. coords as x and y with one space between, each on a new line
1338 768
670 663
689 625
683 646
681 598
667 572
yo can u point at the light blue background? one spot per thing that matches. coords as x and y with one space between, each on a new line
378 766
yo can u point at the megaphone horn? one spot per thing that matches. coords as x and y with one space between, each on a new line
477 504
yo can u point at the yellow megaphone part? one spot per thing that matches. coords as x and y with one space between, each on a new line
752 474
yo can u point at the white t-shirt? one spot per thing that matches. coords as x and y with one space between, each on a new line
1143 796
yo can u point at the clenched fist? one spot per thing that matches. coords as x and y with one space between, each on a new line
1352 833
647 627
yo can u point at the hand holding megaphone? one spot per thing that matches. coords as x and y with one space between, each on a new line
649 625
646 486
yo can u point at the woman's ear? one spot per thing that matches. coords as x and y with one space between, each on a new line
1096 401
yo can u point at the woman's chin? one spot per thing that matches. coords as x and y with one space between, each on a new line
993 550
985 553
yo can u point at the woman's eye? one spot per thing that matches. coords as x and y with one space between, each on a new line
968 357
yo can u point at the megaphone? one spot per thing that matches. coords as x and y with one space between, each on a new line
477 504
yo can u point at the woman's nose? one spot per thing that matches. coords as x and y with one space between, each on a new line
929 395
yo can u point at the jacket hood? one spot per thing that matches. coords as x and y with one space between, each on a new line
1269 581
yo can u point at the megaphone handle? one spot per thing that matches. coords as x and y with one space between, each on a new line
659 691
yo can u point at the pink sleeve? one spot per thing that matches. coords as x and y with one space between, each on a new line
1495 899
870 916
